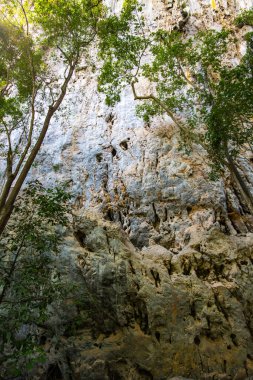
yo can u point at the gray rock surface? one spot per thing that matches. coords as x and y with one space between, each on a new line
156 314
162 256
133 172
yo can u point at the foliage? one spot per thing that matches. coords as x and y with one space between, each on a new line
29 277
34 36
69 25
121 45
194 81
244 18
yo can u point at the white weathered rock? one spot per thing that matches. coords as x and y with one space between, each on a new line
133 172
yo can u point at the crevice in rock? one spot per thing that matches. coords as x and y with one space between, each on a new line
54 373
110 118
168 3
156 220
187 268
201 272
141 315
114 152
218 270
189 209
246 368
137 285
109 215
144 373
80 237
237 217
156 277
42 340
156 160
99 157
131 267
197 247
168 266
165 217
108 241
105 178
115 368
158 336
183 21
193 309
222 219
120 218
208 332
187 238
225 366
234 340
243 205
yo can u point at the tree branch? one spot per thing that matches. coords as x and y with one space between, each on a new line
29 140
160 103
12 269
6 211
25 15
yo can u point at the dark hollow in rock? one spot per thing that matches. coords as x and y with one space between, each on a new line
124 145
80 237
157 335
114 152
54 373
99 157
197 340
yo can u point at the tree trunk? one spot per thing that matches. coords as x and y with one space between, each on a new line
245 191
9 203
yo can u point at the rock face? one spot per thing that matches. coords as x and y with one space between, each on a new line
154 314
164 256
135 173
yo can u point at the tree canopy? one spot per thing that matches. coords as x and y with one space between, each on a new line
33 36
32 33
193 79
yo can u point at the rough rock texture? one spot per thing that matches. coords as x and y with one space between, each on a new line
135 173
164 256
155 314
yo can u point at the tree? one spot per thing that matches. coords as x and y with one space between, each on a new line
29 278
31 34
194 81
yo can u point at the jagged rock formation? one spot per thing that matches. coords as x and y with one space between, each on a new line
154 314
135 173
164 256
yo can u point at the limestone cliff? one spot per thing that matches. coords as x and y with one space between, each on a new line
163 256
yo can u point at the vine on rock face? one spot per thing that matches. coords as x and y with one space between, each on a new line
207 94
